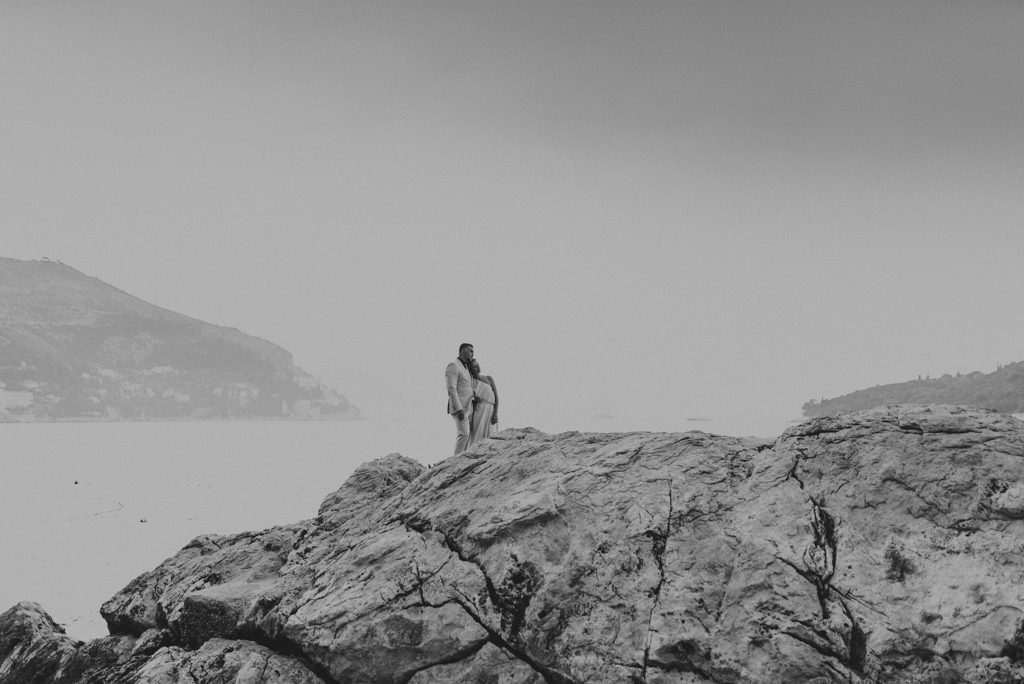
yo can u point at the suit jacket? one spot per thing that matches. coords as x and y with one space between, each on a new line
459 383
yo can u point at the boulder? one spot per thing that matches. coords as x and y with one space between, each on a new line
35 650
882 546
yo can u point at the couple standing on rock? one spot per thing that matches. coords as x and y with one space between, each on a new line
472 399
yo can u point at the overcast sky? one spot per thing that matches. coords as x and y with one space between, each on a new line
653 211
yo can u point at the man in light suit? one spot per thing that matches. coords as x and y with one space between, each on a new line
460 395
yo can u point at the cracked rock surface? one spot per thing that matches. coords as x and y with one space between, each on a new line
881 546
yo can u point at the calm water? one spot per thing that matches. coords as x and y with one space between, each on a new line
87 507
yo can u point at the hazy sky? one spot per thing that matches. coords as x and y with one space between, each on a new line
651 210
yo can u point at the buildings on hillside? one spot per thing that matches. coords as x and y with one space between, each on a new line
15 399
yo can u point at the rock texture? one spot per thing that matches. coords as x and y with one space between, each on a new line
884 546
34 650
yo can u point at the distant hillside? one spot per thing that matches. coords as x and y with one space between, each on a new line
73 347
1001 390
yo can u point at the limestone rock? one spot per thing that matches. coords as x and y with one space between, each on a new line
34 650
220 660
884 546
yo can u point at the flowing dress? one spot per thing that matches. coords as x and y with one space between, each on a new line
480 428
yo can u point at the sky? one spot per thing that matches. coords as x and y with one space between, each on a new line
640 213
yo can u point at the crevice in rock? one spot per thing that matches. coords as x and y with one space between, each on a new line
512 611
476 465
911 427
850 596
689 668
740 467
512 598
720 606
819 427
456 657
838 489
659 541
857 644
455 547
822 553
792 474
822 648
421 580
285 647
697 514
516 591
288 649
806 574
412 524
855 656
906 487
263 669
820 562
550 675
685 656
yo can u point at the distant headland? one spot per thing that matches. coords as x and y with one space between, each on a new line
1001 390
75 348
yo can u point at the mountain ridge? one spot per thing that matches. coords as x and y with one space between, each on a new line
1001 390
73 347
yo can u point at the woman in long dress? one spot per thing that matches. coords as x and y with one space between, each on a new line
484 421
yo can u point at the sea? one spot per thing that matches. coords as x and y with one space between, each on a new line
87 507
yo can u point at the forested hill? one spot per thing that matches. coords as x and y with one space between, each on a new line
1002 390
75 348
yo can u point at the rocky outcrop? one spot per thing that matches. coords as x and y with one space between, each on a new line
885 546
34 650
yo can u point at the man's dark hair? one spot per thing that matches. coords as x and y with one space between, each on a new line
463 346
